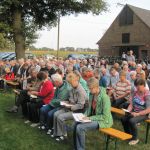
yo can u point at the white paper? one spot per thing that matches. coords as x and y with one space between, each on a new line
125 110
78 117
62 103
33 96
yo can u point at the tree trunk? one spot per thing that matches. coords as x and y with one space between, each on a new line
18 34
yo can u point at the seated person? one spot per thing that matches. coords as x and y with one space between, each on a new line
104 78
113 79
45 95
22 96
99 112
121 92
77 98
139 109
8 76
47 111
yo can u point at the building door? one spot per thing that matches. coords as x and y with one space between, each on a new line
128 48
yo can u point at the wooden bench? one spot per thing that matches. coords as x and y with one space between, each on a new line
117 111
116 134
121 112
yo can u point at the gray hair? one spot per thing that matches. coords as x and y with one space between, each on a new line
57 77
93 82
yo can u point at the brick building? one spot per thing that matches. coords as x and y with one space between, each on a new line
130 30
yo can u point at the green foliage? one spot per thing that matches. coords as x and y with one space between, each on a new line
36 14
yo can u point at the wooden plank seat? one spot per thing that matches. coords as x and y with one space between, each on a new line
121 112
116 134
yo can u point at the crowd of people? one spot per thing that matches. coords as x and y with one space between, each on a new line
50 91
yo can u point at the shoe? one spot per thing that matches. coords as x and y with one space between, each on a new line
49 132
61 138
34 125
42 127
14 109
27 121
52 136
16 92
133 142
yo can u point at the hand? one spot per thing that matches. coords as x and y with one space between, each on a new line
134 114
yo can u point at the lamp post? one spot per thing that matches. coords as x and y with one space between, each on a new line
58 36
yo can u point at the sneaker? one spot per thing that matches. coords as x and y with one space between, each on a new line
27 121
133 142
16 92
61 138
14 109
34 125
52 136
42 127
49 132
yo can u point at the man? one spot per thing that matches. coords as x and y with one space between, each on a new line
47 111
77 99
23 97
130 57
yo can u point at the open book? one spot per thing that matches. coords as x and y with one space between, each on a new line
78 117
33 96
63 103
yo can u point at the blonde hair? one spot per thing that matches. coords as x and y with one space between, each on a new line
93 82
72 76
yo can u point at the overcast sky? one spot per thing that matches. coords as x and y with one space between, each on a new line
85 30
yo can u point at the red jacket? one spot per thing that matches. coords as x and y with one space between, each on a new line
9 76
46 91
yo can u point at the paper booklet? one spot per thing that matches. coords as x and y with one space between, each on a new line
78 117
125 110
33 96
65 104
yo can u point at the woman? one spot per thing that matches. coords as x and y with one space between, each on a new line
45 95
76 100
99 112
121 92
139 109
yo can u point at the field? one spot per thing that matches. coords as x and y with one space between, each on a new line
15 135
60 53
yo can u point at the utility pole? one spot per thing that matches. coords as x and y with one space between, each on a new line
58 36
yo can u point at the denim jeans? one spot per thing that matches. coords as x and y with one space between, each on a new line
79 133
46 115
130 124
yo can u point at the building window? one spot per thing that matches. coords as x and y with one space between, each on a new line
126 17
126 38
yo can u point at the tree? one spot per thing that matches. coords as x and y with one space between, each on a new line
17 13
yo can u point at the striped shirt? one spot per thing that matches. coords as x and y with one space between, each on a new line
121 88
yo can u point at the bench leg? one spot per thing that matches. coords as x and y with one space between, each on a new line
147 132
115 144
107 142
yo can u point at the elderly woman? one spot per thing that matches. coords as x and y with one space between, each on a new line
76 100
139 109
47 111
121 91
99 112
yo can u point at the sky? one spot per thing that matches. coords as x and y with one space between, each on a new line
84 30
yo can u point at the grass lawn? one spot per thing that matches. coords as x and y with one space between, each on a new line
15 135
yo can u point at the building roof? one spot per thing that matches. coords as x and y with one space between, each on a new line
143 14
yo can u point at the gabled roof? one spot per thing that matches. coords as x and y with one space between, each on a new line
143 14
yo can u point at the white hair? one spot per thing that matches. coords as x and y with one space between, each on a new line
133 72
57 77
